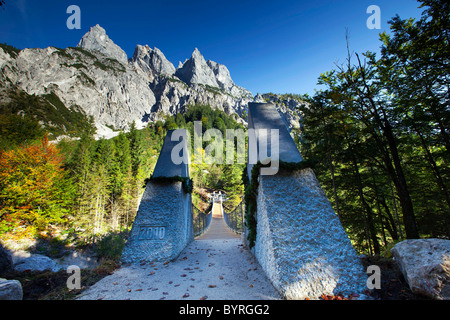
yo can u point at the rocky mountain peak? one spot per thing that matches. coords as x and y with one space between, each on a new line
210 73
222 75
115 93
196 55
196 70
152 59
96 39
259 98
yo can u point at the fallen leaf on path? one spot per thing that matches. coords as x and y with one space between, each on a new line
186 295
212 286
204 298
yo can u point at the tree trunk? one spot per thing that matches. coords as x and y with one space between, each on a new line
390 222
409 219
367 208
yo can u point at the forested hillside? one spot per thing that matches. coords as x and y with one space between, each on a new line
24 116
78 191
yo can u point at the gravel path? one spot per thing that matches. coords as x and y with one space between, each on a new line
220 269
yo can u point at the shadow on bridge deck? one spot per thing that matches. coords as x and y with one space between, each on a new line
218 229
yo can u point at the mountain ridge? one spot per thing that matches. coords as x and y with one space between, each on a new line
99 79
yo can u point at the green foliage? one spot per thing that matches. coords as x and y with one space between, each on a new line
84 52
209 117
48 109
35 191
85 78
380 128
109 175
102 66
223 177
16 130
110 246
13 52
115 65
62 53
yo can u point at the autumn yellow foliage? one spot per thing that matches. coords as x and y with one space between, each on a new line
33 188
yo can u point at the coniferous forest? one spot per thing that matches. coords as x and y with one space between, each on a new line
84 190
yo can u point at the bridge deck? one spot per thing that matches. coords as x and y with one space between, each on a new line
218 229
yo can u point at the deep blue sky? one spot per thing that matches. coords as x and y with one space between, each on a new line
268 46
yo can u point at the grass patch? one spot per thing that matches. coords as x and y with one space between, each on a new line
84 52
86 79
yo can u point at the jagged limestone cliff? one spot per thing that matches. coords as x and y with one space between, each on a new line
98 77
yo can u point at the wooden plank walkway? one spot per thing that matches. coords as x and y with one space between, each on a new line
218 229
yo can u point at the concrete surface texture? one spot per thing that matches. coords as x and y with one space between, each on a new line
300 242
163 224
265 116
174 155
218 267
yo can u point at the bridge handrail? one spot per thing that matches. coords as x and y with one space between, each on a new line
235 218
201 220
